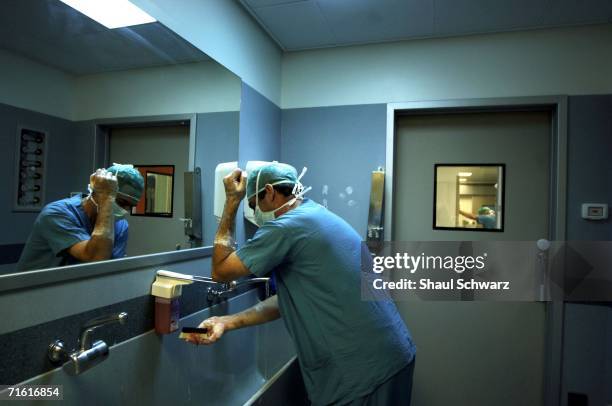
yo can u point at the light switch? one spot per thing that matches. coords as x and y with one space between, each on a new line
595 211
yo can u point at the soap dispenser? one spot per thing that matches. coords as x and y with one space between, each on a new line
167 292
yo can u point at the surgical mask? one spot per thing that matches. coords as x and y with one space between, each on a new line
119 212
261 217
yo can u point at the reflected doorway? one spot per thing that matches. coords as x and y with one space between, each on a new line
162 153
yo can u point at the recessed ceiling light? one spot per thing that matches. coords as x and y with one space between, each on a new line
111 13
462 180
464 174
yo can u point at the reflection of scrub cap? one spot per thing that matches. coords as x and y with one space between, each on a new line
130 181
484 210
272 174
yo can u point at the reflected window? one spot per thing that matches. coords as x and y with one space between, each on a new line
157 200
469 197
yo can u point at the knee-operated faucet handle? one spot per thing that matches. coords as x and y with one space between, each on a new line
88 328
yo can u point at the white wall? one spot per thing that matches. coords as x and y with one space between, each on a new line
227 33
30 85
186 88
575 60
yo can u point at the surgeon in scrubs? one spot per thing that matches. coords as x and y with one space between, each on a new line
350 351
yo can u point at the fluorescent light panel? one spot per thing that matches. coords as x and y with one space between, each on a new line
111 13
464 174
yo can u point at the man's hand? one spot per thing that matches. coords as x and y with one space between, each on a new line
104 184
235 185
100 246
262 312
216 327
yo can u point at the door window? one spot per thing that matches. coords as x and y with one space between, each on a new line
469 197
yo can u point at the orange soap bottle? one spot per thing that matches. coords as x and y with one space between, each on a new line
167 313
167 292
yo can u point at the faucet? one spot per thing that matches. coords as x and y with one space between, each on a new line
89 354
88 328
227 288
217 290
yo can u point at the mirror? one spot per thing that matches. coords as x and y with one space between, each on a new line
469 197
96 95
158 192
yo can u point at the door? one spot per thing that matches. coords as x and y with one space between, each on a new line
475 353
155 146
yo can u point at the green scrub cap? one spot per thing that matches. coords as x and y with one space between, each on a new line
130 181
484 210
272 174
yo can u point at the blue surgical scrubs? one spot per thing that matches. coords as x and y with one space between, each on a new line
346 346
489 222
59 226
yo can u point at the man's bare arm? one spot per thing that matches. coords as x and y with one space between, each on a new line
262 312
226 266
468 215
100 246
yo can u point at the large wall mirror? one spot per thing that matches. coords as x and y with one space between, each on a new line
99 95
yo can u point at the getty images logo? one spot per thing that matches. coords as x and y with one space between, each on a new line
414 263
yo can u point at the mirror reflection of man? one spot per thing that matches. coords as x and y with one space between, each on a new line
85 228
486 217
351 351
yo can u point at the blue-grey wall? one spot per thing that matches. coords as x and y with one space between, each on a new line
587 366
259 127
216 142
341 146
69 154
589 164
260 139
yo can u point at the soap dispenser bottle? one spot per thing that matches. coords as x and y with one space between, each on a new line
167 314
167 292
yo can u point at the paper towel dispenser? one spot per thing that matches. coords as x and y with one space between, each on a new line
221 171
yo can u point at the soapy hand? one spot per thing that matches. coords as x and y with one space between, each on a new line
103 183
216 328
235 185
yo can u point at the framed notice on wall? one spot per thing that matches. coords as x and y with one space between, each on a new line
30 161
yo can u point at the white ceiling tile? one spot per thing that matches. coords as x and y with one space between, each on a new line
296 25
455 17
54 34
303 24
356 21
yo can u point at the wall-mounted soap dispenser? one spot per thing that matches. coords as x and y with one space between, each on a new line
167 292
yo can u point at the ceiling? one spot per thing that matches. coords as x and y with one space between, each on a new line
52 33
305 24
480 174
